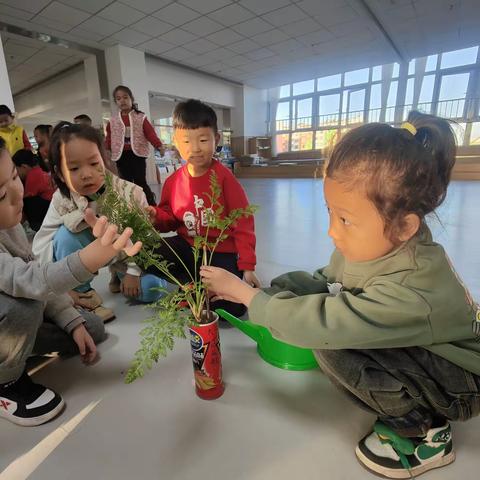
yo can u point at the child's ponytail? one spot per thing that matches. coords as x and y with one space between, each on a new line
436 136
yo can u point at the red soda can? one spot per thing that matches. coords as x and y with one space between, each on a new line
207 360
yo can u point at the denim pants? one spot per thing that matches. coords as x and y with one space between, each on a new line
66 242
24 330
409 389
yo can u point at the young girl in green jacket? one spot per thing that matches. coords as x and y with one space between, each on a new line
390 322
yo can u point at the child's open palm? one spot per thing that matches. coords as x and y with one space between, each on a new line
108 236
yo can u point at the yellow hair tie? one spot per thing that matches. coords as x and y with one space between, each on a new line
408 126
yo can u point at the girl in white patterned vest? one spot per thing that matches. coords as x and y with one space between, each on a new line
128 136
76 159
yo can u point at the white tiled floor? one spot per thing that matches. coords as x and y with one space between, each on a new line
270 423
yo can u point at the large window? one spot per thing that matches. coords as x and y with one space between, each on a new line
303 87
284 91
328 109
164 130
457 58
356 77
453 90
327 83
426 94
312 113
303 117
325 138
281 142
302 141
283 116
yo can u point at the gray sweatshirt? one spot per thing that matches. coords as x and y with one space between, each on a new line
24 278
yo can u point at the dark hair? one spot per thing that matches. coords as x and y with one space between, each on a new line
4 110
193 114
25 157
62 134
3 145
44 129
83 116
401 172
129 93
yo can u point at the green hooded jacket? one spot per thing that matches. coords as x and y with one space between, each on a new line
410 297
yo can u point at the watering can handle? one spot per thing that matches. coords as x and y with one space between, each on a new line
246 326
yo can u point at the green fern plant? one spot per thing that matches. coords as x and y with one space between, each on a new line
185 306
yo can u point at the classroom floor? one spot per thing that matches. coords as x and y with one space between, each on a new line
270 423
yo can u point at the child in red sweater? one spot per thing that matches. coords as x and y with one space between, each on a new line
185 201
38 187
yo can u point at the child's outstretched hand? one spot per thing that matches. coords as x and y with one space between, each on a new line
107 234
107 244
226 285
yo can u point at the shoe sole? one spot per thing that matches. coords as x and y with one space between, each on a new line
35 421
394 473
109 319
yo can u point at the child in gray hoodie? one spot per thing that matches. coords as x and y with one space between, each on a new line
36 314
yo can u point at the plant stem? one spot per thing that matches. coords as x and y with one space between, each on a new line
207 299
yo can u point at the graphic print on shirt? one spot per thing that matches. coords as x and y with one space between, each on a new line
193 221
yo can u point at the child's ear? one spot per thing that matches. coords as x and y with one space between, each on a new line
217 139
410 226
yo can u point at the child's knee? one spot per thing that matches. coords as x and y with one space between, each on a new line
151 285
22 315
66 242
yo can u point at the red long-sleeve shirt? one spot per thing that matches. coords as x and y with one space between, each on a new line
148 131
183 204
38 183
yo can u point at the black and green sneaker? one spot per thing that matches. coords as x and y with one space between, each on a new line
388 454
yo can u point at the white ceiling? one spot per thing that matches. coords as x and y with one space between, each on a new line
51 116
262 43
30 61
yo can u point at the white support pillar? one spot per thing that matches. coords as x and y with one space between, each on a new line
126 66
93 90
6 97
249 116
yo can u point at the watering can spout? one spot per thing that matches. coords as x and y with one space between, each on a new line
247 327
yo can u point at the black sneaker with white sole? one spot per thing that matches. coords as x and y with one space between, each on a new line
28 404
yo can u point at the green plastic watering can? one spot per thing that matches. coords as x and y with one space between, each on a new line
275 352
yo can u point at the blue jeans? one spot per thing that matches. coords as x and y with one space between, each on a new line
66 242
149 284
